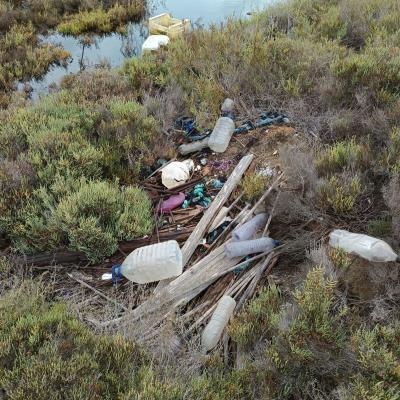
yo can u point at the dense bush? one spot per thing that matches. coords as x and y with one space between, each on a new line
47 353
61 158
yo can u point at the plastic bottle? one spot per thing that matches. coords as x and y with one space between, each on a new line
151 263
221 135
227 106
220 318
249 229
367 247
188 148
262 245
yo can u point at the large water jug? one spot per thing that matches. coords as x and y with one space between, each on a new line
221 135
151 263
367 247
220 318
247 247
250 228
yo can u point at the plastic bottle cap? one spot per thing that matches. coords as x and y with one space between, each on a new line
116 273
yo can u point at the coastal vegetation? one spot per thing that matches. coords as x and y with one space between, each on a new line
327 325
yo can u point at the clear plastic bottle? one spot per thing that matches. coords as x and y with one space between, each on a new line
220 318
370 248
188 148
221 135
238 249
151 263
249 229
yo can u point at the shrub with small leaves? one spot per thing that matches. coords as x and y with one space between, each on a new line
254 185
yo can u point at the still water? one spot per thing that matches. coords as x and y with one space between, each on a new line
115 48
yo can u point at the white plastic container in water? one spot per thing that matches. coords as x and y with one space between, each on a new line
246 247
151 263
367 247
221 135
154 42
220 318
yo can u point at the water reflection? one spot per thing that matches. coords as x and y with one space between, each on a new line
114 49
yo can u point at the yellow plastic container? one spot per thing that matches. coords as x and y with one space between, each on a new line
164 24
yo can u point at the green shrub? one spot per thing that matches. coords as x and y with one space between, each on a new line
47 353
253 186
146 72
347 154
339 194
378 354
392 154
57 191
258 319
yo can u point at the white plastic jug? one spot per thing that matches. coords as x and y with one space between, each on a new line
367 247
176 173
220 318
221 135
151 263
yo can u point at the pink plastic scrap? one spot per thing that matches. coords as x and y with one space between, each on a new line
172 202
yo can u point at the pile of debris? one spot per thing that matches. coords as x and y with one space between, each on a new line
206 282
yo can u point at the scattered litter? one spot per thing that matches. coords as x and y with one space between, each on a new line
188 148
151 263
247 247
106 277
367 247
188 126
176 173
249 229
243 267
203 162
198 196
266 171
217 232
220 318
221 135
227 106
154 43
222 165
219 219
275 153
167 25
172 202
266 118
217 184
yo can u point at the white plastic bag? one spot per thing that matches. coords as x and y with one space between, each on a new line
367 247
176 173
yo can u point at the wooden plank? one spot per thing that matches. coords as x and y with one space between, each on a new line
221 198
